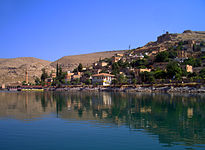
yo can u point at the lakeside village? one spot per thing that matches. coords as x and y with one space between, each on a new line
170 66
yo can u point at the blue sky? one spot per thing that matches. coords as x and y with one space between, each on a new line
50 29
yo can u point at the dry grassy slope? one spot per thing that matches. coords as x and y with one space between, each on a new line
192 35
13 70
166 39
17 62
71 62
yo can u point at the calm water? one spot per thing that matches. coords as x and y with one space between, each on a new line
58 121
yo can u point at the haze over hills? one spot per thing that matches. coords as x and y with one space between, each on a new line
13 70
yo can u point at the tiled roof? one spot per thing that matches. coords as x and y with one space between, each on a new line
103 74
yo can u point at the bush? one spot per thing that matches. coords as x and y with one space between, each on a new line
162 57
88 82
147 77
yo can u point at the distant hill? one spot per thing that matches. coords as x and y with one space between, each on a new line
13 70
71 62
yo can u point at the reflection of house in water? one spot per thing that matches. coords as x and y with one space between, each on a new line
145 110
69 104
107 99
190 112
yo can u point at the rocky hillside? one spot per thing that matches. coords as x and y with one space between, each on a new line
167 40
13 70
71 62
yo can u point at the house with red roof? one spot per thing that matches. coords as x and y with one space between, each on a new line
102 79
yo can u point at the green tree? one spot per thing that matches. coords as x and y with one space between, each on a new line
44 75
162 57
202 73
76 81
134 81
114 81
121 79
172 54
80 67
87 74
88 82
147 77
120 63
37 81
160 74
141 63
174 70
115 68
23 83
56 69
193 62
75 70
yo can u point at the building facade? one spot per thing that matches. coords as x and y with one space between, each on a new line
102 79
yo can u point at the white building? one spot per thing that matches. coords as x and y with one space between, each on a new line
102 79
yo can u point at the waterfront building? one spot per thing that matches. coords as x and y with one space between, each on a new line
102 79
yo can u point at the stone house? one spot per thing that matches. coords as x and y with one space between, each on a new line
188 68
68 76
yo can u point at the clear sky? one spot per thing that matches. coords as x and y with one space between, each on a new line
50 29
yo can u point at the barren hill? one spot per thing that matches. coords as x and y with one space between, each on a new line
167 40
71 62
13 70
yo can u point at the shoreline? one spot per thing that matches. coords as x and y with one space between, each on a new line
150 88
132 90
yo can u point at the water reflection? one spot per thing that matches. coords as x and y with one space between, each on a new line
173 118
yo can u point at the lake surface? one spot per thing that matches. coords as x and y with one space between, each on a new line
62 121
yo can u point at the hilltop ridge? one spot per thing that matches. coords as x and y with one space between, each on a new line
12 70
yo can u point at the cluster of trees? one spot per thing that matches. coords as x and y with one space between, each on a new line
173 71
60 77
120 79
41 80
165 56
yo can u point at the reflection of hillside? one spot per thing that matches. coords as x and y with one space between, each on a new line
86 106
174 118
25 105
